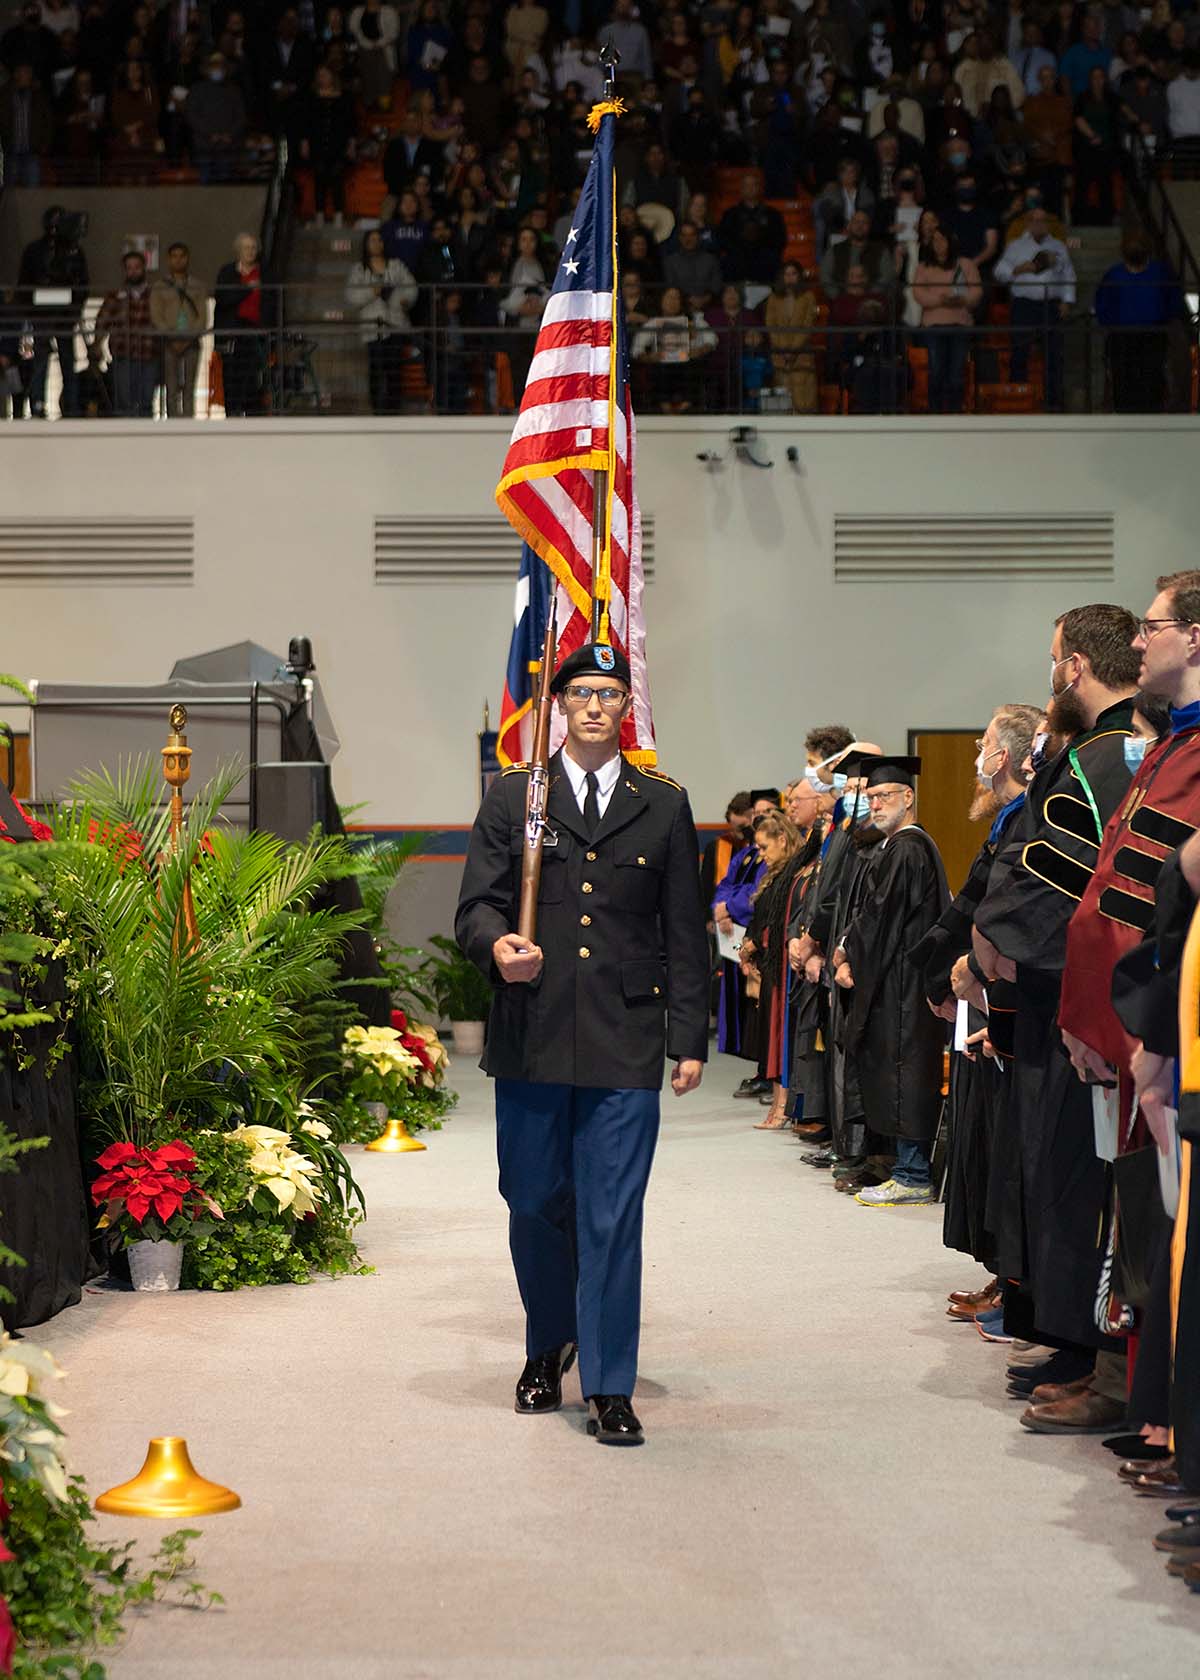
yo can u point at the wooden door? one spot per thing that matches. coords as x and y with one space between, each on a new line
945 790
19 787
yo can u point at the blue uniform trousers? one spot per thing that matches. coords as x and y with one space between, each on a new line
574 1164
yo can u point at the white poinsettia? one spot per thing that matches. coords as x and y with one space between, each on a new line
280 1169
29 1438
381 1047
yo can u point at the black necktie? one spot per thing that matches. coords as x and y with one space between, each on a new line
591 804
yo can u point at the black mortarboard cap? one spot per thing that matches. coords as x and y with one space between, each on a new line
879 769
593 659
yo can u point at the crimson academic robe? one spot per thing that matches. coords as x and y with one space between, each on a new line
896 1041
1160 812
1036 884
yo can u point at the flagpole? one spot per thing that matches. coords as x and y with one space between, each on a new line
609 58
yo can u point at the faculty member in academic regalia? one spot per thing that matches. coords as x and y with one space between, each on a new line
1020 935
896 1042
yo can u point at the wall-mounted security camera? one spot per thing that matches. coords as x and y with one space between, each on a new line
744 439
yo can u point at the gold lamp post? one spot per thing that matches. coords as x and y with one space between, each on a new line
177 767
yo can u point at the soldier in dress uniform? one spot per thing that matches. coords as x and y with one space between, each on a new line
579 1028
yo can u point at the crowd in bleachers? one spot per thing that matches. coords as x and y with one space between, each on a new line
827 205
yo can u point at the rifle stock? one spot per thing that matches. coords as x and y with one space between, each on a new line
537 793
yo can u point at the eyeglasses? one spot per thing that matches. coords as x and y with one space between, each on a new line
877 795
1150 627
579 694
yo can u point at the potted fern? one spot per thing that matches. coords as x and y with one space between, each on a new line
463 995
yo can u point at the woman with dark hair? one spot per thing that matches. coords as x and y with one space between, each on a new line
948 289
134 114
522 308
328 141
764 950
1096 140
383 291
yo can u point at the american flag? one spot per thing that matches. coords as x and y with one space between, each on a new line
576 416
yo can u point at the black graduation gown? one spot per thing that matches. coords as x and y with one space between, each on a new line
895 1039
1037 879
847 1106
979 1088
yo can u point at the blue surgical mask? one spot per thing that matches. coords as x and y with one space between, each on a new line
837 778
857 805
1135 751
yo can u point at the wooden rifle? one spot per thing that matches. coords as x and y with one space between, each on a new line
538 791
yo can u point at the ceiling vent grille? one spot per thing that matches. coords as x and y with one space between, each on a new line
971 547
74 553
460 548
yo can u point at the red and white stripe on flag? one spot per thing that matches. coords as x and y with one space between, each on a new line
560 437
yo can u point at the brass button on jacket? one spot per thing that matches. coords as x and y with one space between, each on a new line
585 921
586 887
584 952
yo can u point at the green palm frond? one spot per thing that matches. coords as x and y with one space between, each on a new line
173 1029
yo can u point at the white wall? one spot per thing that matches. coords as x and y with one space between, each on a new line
750 641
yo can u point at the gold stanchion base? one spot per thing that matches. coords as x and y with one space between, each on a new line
168 1485
395 1139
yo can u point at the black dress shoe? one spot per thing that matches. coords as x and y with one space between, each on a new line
539 1387
753 1088
611 1419
821 1158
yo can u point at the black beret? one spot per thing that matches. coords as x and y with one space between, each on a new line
593 659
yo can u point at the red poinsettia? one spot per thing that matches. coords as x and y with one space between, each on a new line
413 1042
8 1634
151 1189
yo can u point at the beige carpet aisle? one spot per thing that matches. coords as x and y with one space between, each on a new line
833 1485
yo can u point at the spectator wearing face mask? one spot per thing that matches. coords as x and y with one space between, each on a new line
1134 302
972 223
215 115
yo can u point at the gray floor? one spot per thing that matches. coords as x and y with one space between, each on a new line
833 1486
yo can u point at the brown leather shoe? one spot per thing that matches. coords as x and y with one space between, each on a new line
1134 1468
808 1129
1087 1413
964 1314
1160 1481
974 1297
1049 1394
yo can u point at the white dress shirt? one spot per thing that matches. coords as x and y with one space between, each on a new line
606 779
1055 282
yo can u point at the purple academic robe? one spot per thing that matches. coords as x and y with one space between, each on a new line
736 891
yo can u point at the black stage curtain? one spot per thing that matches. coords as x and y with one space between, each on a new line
360 961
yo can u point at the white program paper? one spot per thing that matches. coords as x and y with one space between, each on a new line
727 943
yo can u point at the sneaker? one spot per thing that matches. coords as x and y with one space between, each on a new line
991 1326
891 1194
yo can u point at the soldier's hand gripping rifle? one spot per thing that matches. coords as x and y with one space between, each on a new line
538 792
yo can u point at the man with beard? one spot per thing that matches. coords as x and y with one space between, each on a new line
1020 935
1112 940
895 1041
979 1079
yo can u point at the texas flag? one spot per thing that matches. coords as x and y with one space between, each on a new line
514 738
